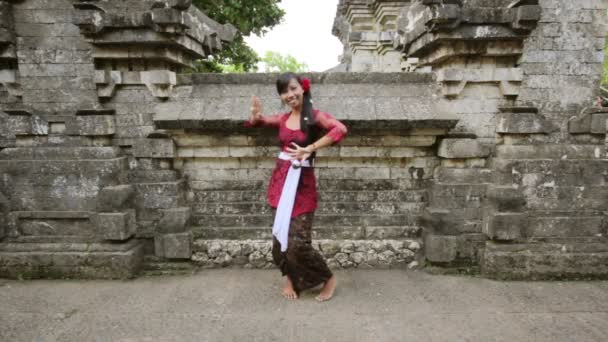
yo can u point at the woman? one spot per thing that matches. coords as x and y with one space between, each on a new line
292 189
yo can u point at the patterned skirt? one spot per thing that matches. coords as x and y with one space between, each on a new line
303 264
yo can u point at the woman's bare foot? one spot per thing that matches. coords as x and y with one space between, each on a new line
288 291
328 289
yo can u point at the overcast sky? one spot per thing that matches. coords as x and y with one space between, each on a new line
305 33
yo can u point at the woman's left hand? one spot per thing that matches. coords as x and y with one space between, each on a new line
298 152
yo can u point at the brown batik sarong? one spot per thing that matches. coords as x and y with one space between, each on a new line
303 264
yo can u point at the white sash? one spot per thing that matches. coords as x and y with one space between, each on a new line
280 228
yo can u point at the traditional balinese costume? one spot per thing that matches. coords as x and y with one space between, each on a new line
293 195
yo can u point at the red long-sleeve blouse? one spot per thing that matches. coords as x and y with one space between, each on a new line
306 194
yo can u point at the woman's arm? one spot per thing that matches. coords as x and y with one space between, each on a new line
257 119
336 131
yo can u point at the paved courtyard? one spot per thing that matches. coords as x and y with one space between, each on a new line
244 305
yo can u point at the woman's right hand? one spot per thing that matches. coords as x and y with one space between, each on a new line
256 109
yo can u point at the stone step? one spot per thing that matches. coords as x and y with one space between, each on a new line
551 259
329 208
319 220
446 175
155 266
564 226
323 184
335 233
226 196
160 195
61 153
71 260
454 196
153 176
559 172
338 253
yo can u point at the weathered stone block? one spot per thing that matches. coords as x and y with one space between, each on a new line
4 209
440 248
155 148
506 198
174 220
457 195
91 125
173 246
558 260
115 198
455 80
159 82
550 151
115 226
580 125
158 195
560 225
505 226
27 125
463 176
523 123
598 123
71 260
462 148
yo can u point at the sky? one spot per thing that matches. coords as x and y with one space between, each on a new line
304 33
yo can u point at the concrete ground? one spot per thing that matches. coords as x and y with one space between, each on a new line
244 305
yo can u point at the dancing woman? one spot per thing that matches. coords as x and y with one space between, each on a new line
292 190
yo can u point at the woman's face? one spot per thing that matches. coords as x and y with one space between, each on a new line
293 95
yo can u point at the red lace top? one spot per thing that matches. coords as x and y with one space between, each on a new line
306 195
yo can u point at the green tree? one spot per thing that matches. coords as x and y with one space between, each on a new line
248 16
276 62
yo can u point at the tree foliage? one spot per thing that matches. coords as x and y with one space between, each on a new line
276 62
249 17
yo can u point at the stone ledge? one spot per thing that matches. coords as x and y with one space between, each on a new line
523 123
65 260
454 250
338 253
539 261
60 153
319 233
425 25
454 80
462 148
532 153
400 127
505 226
316 78
591 120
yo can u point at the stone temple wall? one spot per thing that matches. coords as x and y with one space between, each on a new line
481 148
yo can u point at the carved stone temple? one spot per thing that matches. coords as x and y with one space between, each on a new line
475 142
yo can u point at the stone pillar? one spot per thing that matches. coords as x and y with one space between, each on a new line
473 48
385 15
177 35
82 168
366 29
9 75
389 59
361 42
363 46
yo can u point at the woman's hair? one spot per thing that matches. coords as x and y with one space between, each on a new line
307 120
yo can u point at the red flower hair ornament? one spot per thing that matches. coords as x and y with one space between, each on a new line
305 84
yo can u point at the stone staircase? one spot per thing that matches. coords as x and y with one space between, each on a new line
352 228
